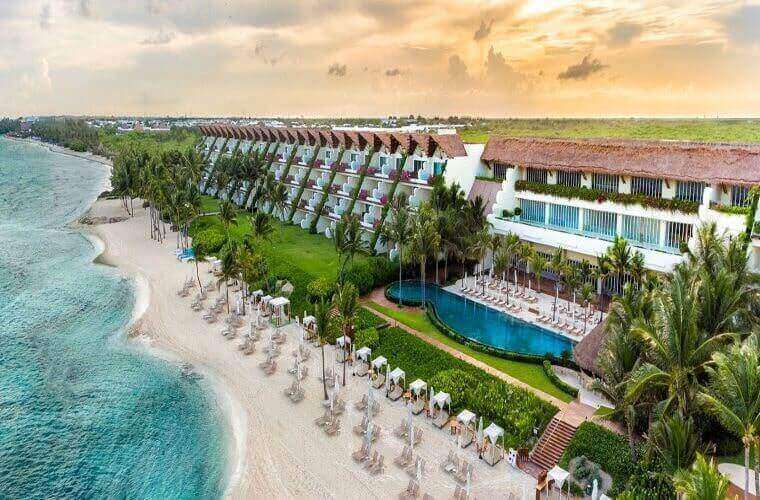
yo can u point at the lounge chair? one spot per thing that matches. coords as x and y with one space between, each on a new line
401 430
378 466
417 435
412 491
333 428
249 349
405 458
466 437
361 454
441 419
418 463
379 381
361 428
373 460
461 474
396 393
362 403
449 464
297 396
418 406
324 419
362 370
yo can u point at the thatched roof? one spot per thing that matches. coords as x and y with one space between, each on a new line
586 352
688 161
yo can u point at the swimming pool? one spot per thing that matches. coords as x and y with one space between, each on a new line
484 324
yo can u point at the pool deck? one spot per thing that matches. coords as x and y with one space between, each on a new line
544 304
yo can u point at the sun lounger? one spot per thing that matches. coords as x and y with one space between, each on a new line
250 349
466 438
401 429
417 435
461 474
449 464
324 419
418 406
333 428
379 381
441 419
419 463
297 396
412 491
362 370
405 458
396 393
361 455
362 403
378 466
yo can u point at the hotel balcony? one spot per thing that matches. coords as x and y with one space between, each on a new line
323 180
423 176
353 167
418 197
378 195
346 189
368 221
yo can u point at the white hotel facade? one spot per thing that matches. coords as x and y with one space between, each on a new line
554 193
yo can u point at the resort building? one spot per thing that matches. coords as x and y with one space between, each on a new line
329 173
577 195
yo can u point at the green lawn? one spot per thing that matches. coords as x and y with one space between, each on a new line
529 373
736 130
209 204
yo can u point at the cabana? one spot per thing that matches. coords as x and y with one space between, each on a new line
418 388
441 402
344 347
467 420
310 325
492 452
264 305
256 296
362 355
558 476
396 384
377 368
280 308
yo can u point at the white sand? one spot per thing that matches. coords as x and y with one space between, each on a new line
277 450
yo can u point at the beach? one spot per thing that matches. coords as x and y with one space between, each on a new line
276 450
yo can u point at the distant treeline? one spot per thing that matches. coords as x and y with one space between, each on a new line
69 132
8 125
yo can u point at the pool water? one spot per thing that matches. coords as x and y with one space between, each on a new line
484 324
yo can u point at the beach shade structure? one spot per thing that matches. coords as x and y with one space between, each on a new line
343 344
256 296
264 304
466 420
430 402
396 379
279 309
559 476
441 409
362 356
309 325
493 453
377 367
479 435
418 388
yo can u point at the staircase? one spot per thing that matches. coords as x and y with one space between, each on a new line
552 444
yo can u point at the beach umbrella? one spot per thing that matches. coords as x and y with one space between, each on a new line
411 437
419 471
430 401
480 432
467 484
387 376
595 490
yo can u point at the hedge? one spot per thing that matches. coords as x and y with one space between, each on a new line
588 194
371 272
367 337
515 409
604 447
209 241
558 382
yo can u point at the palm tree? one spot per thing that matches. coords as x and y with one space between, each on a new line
538 264
322 317
230 268
674 441
587 293
277 198
398 231
734 395
345 302
261 226
525 251
620 257
677 350
348 242
425 242
227 214
701 482
600 273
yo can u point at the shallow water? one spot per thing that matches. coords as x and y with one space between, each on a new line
83 413
484 324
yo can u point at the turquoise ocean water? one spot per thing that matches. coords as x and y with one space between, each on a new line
83 413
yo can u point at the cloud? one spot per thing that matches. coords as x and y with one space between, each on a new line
160 38
392 72
84 8
337 70
458 74
622 33
45 17
499 71
483 31
743 25
582 70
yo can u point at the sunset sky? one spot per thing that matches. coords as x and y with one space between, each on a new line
380 57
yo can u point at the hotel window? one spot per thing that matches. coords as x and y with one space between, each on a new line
438 168
646 186
383 161
605 182
641 230
536 175
307 153
740 196
500 171
570 179
677 233
533 211
354 156
690 191
563 216
601 224
418 165
328 154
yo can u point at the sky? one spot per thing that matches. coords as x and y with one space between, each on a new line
344 58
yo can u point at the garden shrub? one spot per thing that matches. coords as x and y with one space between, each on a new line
457 383
366 319
604 447
367 337
208 241
559 383
371 272
320 288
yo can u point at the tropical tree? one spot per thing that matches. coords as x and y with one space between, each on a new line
348 242
261 226
538 264
322 316
346 303
228 216
398 231
674 442
425 242
230 268
525 252
734 395
702 482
